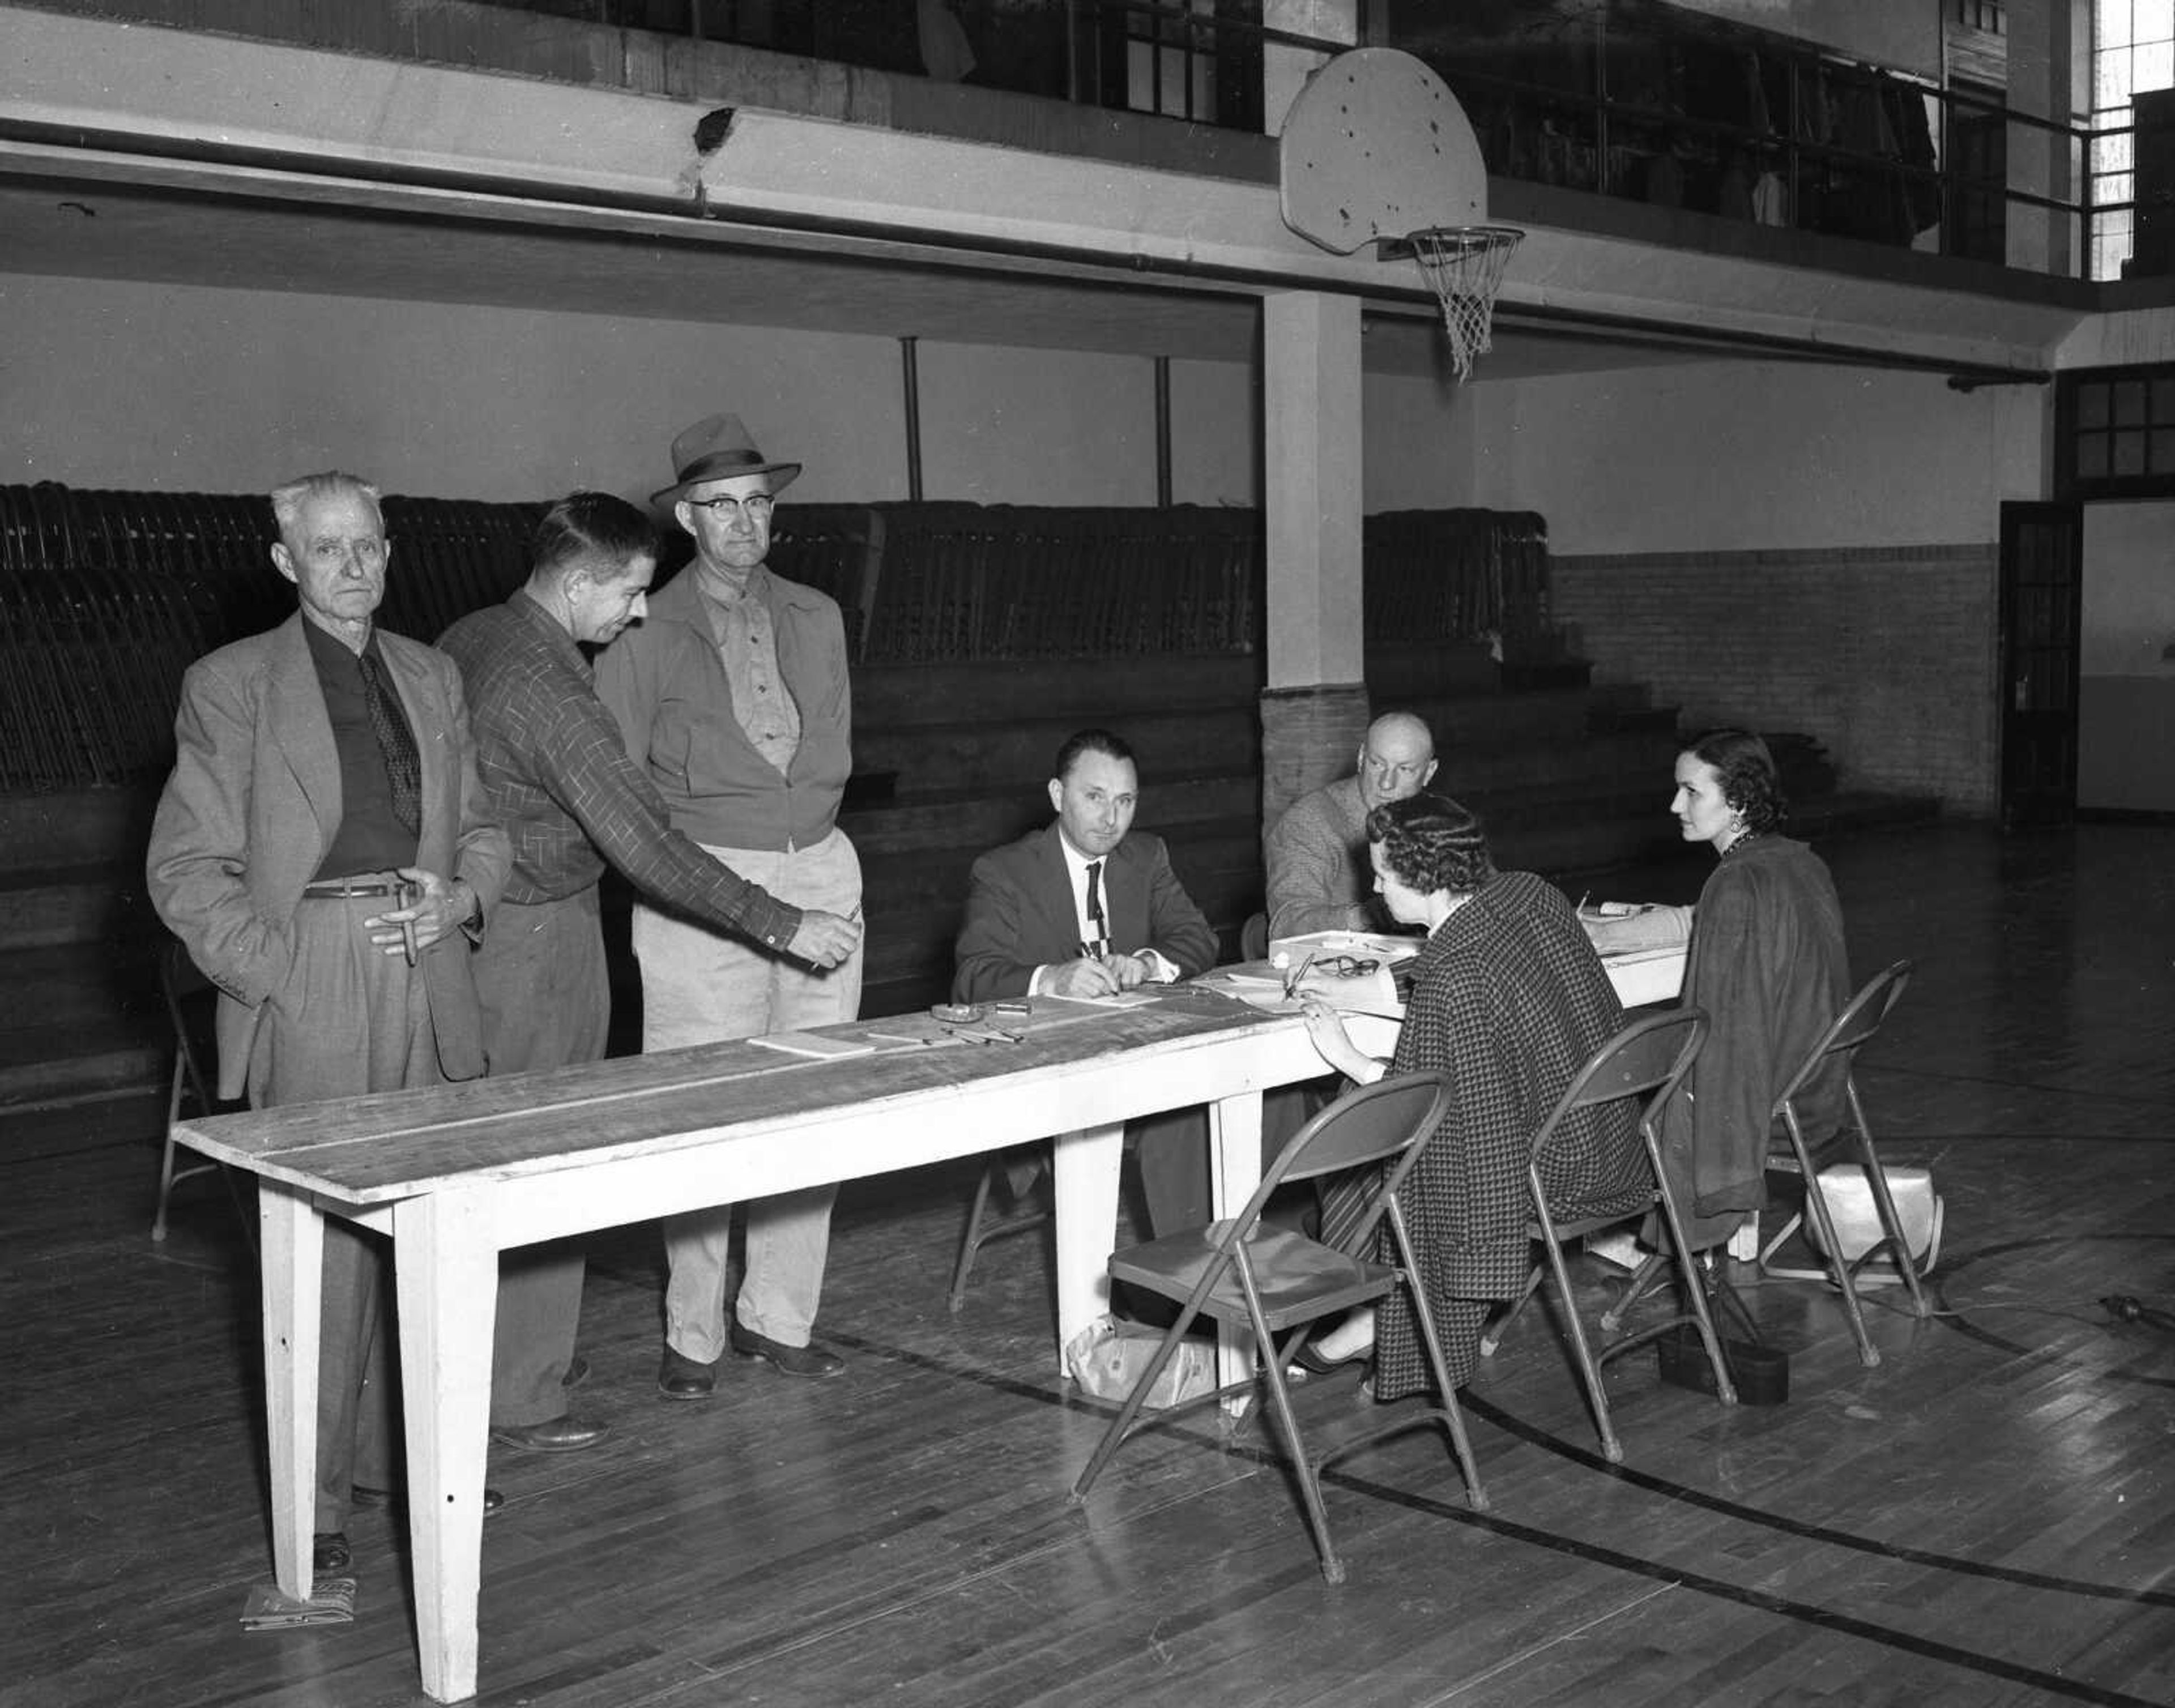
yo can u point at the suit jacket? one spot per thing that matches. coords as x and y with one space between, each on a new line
253 803
1020 913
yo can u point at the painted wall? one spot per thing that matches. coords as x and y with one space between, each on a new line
2126 692
189 389
1728 455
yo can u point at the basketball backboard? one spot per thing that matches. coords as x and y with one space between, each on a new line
1375 147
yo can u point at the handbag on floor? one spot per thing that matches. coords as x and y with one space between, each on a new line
1918 1211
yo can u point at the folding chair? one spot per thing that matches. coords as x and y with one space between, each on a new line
1278 1282
980 1230
1648 1056
184 989
1855 1027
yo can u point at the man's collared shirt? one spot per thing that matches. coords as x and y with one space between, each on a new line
557 770
1161 972
747 636
370 837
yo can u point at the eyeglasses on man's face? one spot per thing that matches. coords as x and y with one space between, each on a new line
756 507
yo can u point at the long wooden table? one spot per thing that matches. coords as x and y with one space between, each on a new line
458 1173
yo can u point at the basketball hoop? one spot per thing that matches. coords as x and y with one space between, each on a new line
1463 266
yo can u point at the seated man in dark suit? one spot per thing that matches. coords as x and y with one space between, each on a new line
1085 906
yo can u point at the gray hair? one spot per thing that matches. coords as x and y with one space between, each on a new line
288 500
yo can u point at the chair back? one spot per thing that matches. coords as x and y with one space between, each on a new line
1254 938
1855 1026
1394 1118
1649 1054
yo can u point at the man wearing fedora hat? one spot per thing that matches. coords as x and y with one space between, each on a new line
732 695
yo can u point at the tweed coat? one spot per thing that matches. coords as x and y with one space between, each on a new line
254 801
1020 914
1510 999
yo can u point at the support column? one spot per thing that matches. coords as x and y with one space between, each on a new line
1314 710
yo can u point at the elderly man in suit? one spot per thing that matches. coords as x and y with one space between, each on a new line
1085 906
324 851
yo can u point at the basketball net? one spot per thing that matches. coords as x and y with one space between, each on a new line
1463 265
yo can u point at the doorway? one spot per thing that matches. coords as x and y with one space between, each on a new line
2041 594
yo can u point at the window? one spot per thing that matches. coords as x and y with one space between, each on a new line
2132 54
2115 432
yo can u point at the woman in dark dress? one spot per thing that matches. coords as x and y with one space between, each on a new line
1510 999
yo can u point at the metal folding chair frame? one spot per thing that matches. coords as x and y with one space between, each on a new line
980 1231
1232 1256
177 976
1638 1060
1853 1028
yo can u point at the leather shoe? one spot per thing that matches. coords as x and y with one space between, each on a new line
681 1377
329 1553
552 1436
578 1372
1313 1363
810 1360
362 1494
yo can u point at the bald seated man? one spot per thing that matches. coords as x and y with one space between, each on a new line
1319 878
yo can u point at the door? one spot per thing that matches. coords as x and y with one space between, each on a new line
2041 594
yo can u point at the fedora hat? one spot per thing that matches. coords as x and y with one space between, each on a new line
718 448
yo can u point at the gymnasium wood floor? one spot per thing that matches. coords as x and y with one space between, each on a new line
1987 1518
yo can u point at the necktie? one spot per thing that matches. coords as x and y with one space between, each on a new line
1097 924
395 741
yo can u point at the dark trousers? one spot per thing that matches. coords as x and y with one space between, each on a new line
546 1001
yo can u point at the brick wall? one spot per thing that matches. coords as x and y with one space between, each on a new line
1887 656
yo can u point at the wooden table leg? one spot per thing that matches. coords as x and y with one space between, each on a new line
1235 1169
292 1232
446 1266
1084 1181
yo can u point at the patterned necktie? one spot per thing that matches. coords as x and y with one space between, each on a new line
395 741
1099 925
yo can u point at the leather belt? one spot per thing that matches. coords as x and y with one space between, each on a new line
339 889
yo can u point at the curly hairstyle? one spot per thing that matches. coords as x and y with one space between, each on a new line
1750 784
1431 843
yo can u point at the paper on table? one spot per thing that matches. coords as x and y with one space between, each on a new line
810 1043
1117 998
1365 993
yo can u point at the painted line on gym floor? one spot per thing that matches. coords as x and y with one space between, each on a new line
1783 1607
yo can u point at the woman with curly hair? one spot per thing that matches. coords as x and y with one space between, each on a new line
1509 999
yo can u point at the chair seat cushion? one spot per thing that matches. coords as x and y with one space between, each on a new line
1297 1279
